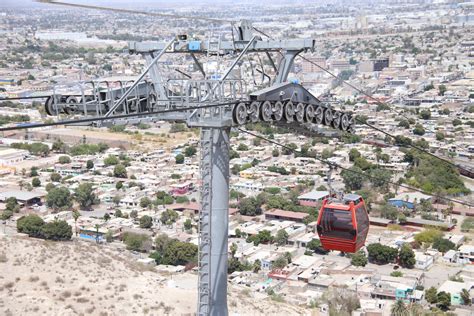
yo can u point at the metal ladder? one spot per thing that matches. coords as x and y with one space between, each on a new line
204 254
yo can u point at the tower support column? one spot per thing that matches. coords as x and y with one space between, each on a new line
213 221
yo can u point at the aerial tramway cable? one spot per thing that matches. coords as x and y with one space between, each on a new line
354 171
385 104
115 117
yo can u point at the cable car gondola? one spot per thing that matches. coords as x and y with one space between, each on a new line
343 225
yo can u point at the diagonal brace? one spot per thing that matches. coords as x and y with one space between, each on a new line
140 78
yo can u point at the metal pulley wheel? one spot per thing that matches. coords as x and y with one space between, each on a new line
253 112
327 117
266 111
278 111
351 128
132 105
336 121
151 102
299 115
289 111
51 105
71 105
345 122
309 113
318 115
240 114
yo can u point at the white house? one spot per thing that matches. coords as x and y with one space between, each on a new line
466 253
423 262
451 256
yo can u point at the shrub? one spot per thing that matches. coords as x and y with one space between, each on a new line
57 230
30 225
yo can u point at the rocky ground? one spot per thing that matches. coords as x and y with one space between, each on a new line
77 278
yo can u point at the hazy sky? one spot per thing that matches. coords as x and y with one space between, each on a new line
121 3
146 3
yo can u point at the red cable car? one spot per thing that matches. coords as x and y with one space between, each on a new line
343 225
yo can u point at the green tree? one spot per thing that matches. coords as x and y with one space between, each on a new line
161 242
55 177
440 136
64 159
327 153
242 147
389 211
109 237
137 242
425 114
406 256
257 265
233 154
30 225
399 309
381 254
249 206
106 217
380 179
419 130
233 249
6 214
444 301
145 202
118 213
353 178
180 253
188 225
85 196
354 154
428 236
119 185
111 160
273 190
89 164
36 182
146 221
314 245
280 262
359 259
59 146
466 297
431 295
441 89
275 152
281 237
57 230
34 172
120 171
168 217
404 124
179 159
134 214
59 198
190 151
457 122
75 215
11 204
443 245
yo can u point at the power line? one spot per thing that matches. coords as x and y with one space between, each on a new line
409 144
24 98
165 15
383 104
354 171
121 116
377 101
